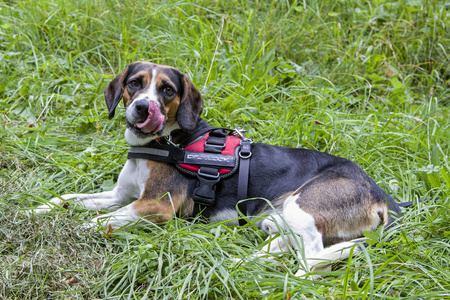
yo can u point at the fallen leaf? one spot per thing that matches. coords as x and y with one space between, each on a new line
318 122
70 280
109 230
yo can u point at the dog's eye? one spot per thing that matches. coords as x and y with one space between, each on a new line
168 90
133 83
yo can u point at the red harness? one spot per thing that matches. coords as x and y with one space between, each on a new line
231 143
214 156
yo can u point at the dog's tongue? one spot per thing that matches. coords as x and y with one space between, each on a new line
154 120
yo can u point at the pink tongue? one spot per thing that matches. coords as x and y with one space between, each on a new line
154 120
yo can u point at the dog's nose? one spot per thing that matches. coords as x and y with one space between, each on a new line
141 109
141 106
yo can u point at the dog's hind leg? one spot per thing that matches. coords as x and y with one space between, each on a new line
296 229
323 260
340 209
301 233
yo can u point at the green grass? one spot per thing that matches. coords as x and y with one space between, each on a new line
366 80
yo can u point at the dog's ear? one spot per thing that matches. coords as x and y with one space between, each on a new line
191 106
114 92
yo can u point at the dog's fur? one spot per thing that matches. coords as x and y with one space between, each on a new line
316 199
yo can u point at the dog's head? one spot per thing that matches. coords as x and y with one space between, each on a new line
158 99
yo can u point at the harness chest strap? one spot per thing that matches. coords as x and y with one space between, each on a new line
157 152
175 155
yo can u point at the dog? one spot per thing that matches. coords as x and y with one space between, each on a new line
318 203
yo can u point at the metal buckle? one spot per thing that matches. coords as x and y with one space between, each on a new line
169 140
239 132
205 192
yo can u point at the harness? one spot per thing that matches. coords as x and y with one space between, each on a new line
211 156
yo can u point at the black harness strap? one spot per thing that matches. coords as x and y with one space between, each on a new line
158 152
244 170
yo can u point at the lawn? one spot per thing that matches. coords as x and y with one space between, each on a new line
365 80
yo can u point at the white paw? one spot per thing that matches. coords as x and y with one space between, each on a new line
99 221
306 275
300 273
236 260
43 209
106 222
88 227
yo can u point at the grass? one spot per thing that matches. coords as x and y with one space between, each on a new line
368 81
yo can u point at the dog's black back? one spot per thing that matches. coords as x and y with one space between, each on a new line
327 186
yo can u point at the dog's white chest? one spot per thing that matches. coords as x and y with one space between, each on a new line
133 177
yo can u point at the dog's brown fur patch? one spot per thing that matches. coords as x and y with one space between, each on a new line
165 194
341 208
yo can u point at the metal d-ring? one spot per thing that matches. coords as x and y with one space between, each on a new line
245 157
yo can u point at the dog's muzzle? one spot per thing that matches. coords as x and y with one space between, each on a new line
146 116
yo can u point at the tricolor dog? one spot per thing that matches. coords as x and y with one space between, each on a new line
178 164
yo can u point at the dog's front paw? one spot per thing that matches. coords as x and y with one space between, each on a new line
89 226
42 209
102 222
307 275
97 226
300 273
45 208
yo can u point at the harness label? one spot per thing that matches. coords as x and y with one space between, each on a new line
210 159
